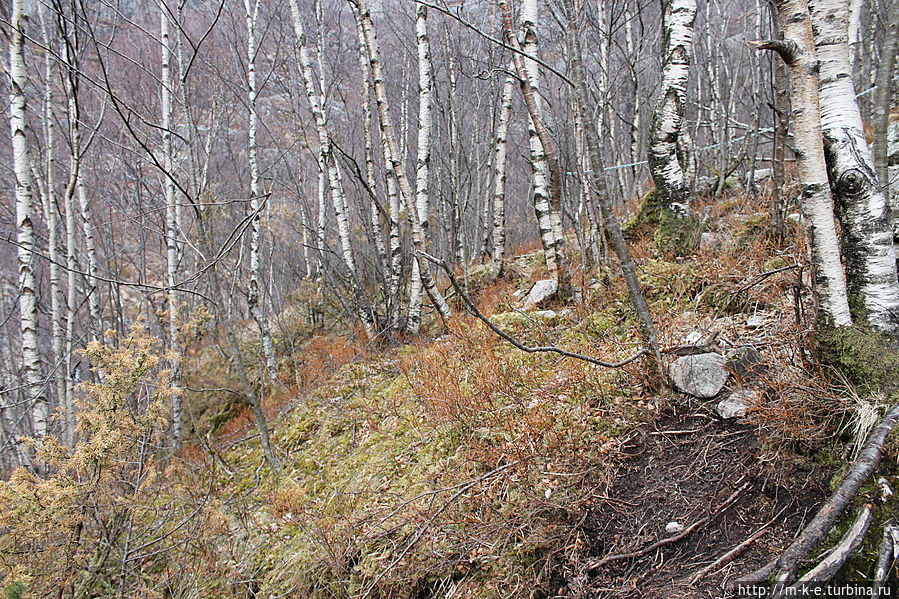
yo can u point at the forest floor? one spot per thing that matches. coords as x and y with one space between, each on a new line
461 467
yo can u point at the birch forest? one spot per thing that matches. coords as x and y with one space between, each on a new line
458 299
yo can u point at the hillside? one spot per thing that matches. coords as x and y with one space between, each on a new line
459 466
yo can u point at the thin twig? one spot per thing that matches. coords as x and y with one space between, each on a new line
525 348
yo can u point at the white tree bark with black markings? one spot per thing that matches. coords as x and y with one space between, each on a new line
422 204
667 119
363 17
18 125
253 300
173 247
329 163
499 175
861 205
797 48
549 222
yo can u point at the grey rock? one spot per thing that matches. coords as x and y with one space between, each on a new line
794 218
735 404
673 528
755 321
546 314
702 375
540 292
745 363
709 242
761 174
692 338
519 294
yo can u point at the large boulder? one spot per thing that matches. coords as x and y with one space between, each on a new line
700 375
542 290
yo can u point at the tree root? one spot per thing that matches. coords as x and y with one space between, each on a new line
787 564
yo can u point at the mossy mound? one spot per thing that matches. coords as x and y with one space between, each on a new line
673 234
865 357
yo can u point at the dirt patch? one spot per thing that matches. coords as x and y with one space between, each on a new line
682 468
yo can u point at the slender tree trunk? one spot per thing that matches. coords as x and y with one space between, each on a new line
667 119
31 359
499 177
781 125
546 210
51 211
610 219
363 16
253 300
882 105
173 254
797 48
338 197
422 204
635 95
860 202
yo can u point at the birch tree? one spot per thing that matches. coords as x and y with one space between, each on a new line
667 119
422 205
394 157
499 176
253 300
35 394
172 224
861 204
797 48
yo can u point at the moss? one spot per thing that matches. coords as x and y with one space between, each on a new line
646 218
510 321
677 235
862 355
14 591
752 228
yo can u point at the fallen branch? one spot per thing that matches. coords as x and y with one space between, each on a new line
886 555
788 562
673 539
849 544
525 348
727 557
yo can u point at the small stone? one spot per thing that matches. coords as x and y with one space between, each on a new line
700 375
546 314
755 321
745 362
794 218
692 338
519 294
709 242
734 405
540 292
761 174
672 528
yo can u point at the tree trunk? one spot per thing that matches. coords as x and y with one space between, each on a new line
610 219
31 359
860 202
253 300
667 171
797 48
363 16
173 253
425 95
499 177
882 104
329 164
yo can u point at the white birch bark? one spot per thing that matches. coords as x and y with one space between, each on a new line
667 118
635 91
50 206
798 51
363 16
548 221
253 300
335 180
861 205
31 358
499 176
171 225
93 264
422 204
